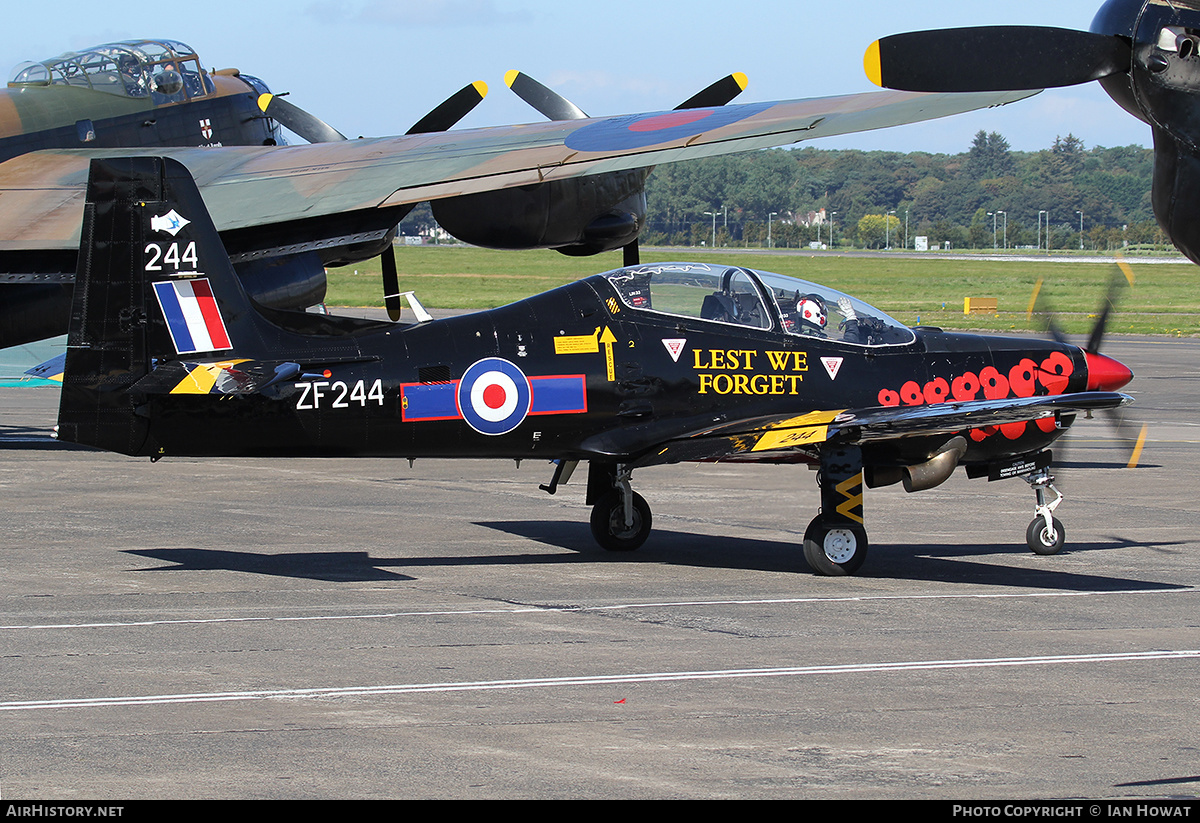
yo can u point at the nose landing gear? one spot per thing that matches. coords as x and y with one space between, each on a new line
1045 534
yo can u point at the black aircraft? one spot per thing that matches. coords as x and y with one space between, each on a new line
641 366
1145 53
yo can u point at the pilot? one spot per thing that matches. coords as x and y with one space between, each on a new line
810 309
132 75
850 326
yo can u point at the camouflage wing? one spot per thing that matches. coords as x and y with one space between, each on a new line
41 194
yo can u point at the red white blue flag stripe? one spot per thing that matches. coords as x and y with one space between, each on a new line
192 316
557 394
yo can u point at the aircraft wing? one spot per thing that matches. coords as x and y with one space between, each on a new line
779 438
41 194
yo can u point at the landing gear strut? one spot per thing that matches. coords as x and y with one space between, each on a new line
621 519
835 542
1045 533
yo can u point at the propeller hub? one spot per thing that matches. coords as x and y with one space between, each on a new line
1105 373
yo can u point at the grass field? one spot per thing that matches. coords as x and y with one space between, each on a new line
1165 298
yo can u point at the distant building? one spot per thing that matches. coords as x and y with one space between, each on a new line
813 218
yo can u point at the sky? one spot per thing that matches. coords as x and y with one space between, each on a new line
374 67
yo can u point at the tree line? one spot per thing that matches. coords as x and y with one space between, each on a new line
986 196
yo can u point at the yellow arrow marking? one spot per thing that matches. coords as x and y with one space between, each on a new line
608 338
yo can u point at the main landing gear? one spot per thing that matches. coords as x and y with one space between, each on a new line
621 518
835 542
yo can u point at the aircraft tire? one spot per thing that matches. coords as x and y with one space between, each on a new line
608 523
835 548
1040 540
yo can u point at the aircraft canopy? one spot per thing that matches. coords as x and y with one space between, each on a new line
757 299
166 71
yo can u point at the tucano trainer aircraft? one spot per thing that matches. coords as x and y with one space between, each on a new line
641 366
1144 53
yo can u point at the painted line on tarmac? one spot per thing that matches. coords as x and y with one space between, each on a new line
535 609
595 680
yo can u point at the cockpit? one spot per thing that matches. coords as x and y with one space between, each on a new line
163 71
756 299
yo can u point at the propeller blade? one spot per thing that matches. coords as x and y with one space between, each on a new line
1136 454
1129 432
548 102
994 58
1040 306
718 94
1123 425
297 120
1116 283
454 108
391 283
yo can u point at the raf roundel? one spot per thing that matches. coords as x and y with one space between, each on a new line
641 131
494 396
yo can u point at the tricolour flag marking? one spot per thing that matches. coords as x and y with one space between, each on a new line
192 316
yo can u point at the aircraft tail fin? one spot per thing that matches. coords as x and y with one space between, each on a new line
154 288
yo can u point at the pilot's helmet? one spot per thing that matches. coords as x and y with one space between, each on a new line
811 310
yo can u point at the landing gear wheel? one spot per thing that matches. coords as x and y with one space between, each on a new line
835 547
1042 540
608 523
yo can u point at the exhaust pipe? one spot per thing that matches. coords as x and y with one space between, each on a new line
936 470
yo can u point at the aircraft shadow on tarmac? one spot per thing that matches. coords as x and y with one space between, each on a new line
348 567
34 437
1066 466
938 563
1166 781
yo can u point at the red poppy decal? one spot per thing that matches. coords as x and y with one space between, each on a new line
1022 380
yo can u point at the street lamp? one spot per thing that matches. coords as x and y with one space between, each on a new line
1080 229
992 215
769 218
832 215
887 228
714 227
1005 228
1040 213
